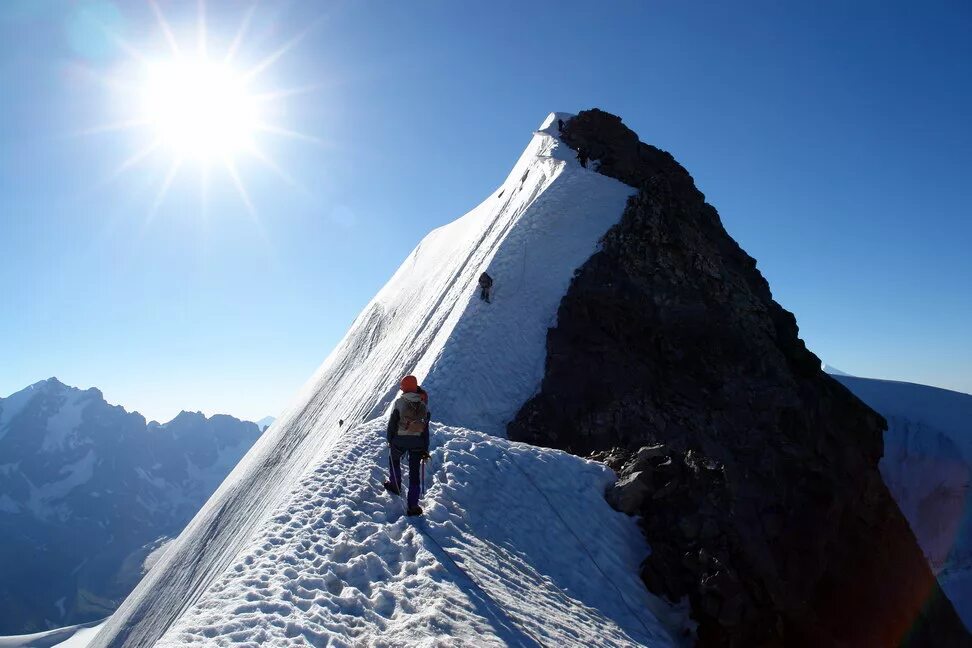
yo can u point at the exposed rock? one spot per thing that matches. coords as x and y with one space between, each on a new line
754 473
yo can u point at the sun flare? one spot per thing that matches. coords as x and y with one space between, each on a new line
199 109
186 102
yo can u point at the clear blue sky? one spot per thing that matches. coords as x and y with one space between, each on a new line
834 138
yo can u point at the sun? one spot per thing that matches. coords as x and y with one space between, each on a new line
200 109
186 103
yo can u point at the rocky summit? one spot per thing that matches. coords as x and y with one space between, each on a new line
754 473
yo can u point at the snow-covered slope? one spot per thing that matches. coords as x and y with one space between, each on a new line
927 466
479 361
833 371
518 546
87 489
77 636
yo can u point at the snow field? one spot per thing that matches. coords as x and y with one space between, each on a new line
490 564
77 636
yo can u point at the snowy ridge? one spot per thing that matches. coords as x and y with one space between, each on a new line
76 636
340 565
480 362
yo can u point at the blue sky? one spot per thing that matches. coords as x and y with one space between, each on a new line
834 138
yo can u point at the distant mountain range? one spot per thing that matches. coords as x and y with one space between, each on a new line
89 490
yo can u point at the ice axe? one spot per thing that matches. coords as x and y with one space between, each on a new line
424 459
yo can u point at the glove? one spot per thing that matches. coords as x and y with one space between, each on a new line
425 455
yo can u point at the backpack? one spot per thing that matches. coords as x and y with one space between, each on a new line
413 416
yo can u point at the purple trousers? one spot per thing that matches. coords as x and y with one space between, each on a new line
414 471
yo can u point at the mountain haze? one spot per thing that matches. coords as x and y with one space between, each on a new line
88 490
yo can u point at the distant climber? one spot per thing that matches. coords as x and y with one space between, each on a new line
485 287
408 432
340 422
582 157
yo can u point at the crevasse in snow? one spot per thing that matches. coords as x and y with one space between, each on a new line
479 361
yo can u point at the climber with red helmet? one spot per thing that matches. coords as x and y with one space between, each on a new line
408 432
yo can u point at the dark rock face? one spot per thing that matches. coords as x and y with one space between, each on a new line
755 474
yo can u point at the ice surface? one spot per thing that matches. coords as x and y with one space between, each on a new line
78 636
958 587
62 427
526 533
941 409
480 362
927 466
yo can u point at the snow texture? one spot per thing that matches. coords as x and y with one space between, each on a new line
510 552
480 361
77 636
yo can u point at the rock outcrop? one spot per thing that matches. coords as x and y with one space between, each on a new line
754 473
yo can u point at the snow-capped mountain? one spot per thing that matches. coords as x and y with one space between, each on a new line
301 545
927 464
480 361
88 490
833 371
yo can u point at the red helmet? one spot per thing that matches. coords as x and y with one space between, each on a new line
409 384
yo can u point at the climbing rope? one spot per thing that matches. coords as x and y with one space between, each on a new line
428 534
582 545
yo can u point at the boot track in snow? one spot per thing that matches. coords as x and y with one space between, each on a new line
488 565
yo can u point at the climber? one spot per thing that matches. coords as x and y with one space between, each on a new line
485 286
408 432
582 157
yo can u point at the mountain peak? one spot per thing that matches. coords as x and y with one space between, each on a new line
186 414
530 235
832 370
49 383
685 337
